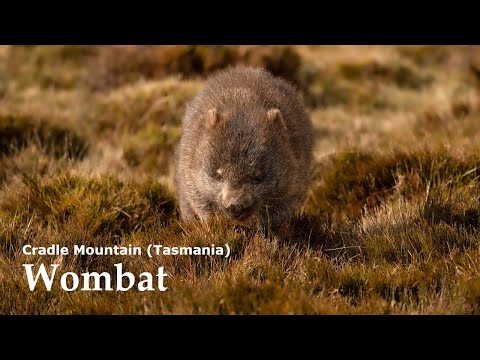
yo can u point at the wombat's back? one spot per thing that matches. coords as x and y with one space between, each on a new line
241 88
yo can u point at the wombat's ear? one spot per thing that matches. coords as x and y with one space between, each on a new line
211 117
275 115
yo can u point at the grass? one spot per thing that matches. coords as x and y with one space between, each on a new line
390 224
17 131
118 65
356 180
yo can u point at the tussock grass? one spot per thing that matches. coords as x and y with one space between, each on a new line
118 65
390 224
152 149
100 205
58 67
134 106
18 131
396 73
356 180
425 55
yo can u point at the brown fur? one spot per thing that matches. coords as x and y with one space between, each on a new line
246 149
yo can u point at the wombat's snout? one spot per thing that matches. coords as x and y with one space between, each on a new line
237 204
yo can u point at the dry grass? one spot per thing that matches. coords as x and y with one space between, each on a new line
390 224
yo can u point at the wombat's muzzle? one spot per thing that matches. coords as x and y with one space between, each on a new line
237 205
238 212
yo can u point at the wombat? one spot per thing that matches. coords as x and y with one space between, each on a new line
245 149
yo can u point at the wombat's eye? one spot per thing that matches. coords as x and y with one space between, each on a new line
218 175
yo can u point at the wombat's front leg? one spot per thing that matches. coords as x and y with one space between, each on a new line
186 210
189 213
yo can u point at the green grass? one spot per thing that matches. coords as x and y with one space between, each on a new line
390 224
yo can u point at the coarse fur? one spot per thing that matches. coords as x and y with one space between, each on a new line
246 149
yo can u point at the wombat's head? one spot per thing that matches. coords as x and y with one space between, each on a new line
246 160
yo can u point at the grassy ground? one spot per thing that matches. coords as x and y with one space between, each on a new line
390 225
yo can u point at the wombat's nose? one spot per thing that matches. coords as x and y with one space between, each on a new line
236 204
236 210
